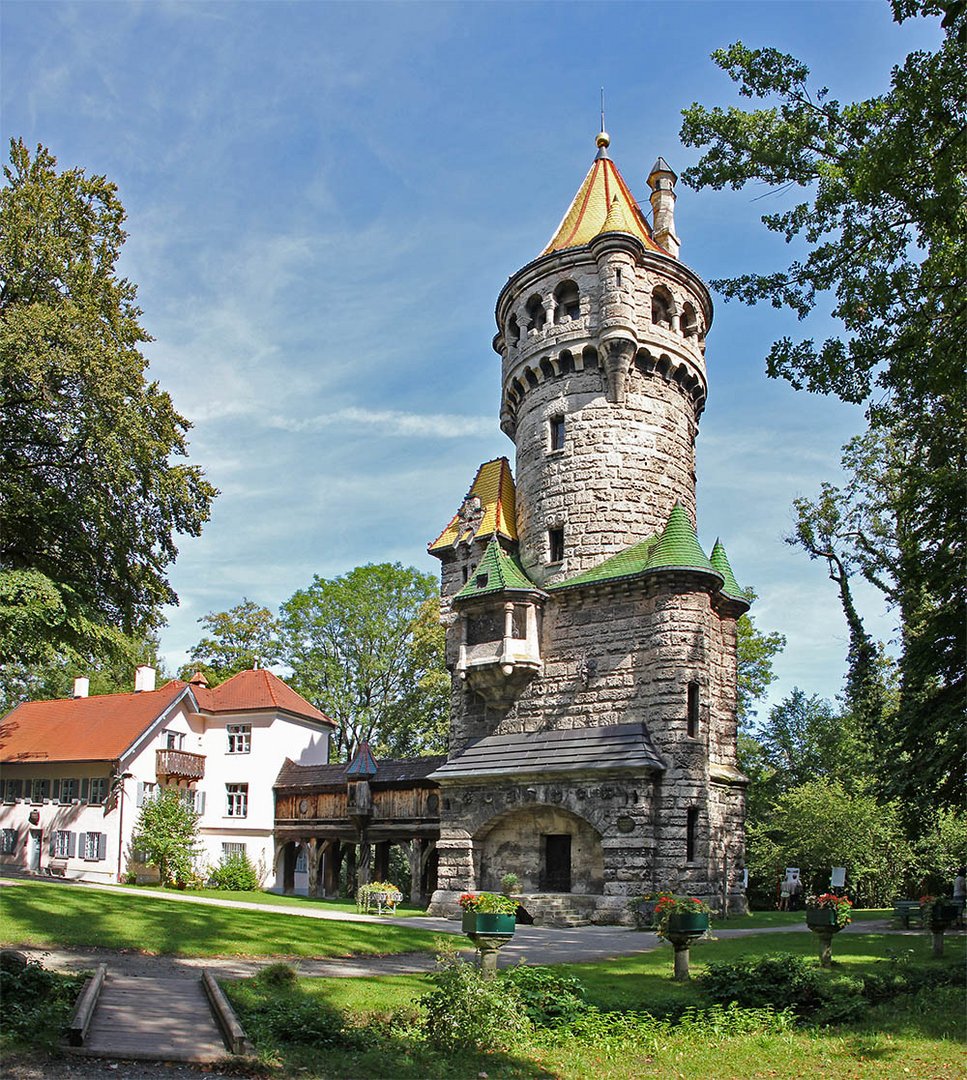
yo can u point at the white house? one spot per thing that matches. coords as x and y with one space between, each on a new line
76 771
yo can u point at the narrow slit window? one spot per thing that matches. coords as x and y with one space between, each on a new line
691 833
692 715
617 277
556 426
555 545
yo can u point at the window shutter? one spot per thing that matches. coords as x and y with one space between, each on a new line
71 844
200 801
85 789
52 835
139 801
101 845
82 844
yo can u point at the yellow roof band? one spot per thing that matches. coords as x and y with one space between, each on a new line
490 507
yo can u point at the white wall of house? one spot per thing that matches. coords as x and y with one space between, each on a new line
65 818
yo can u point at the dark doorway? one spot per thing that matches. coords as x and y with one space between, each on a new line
556 869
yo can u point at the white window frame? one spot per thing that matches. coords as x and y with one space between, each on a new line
68 789
239 738
8 841
230 848
62 844
173 740
92 841
236 800
97 797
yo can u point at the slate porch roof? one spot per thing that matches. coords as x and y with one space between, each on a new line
294 777
625 747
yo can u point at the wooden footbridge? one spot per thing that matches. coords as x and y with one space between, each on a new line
146 1018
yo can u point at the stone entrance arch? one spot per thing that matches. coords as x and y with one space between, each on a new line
549 848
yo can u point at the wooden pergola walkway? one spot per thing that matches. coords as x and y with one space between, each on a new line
144 1018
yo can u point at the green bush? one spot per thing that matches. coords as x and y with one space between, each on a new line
549 997
279 976
235 874
275 1013
34 1000
642 1029
781 980
467 1010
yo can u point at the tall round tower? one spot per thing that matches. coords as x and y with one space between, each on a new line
602 340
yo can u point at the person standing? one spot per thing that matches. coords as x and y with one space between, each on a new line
960 894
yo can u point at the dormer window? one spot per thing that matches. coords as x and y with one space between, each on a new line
480 581
556 432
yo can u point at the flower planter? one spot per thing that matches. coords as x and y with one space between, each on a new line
821 919
487 923
942 915
695 922
469 922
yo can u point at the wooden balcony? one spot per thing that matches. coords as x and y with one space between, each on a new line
179 763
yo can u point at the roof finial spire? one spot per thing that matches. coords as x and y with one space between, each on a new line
603 140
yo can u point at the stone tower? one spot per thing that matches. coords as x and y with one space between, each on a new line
592 641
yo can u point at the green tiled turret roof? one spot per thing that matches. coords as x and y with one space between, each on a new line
626 563
678 545
497 572
720 561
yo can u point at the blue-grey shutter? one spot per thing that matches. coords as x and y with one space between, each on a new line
200 802
82 844
52 835
101 845
139 801
85 789
72 845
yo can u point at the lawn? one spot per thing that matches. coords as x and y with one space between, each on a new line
759 920
42 914
917 1036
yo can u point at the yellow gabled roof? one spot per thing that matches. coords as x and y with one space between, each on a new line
588 214
493 486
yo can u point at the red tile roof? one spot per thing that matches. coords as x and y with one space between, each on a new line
256 690
82 729
102 728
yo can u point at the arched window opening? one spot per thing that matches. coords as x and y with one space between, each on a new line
689 321
532 380
590 357
692 711
644 362
547 368
568 302
661 307
565 363
536 315
513 330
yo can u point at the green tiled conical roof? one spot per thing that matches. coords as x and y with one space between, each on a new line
496 572
626 563
720 561
678 545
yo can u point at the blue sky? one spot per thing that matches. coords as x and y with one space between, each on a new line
324 200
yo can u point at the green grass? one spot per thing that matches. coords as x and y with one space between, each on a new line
757 920
274 900
42 914
919 1037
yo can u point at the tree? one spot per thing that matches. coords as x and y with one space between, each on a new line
90 500
819 825
883 232
365 648
246 636
755 653
167 833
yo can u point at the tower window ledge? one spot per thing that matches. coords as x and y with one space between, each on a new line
554 453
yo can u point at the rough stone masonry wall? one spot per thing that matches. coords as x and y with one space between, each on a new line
622 468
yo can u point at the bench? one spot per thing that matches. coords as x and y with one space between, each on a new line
57 868
903 909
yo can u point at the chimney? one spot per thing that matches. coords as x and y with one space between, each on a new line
143 679
82 687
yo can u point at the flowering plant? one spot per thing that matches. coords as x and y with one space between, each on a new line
489 903
668 904
842 905
927 898
469 901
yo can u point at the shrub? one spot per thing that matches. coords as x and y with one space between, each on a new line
278 976
235 874
467 1010
781 980
34 1000
549 997
275 1012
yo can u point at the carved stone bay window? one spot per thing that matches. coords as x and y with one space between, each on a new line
499 622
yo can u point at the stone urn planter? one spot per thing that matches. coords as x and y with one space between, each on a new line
827 915
692 924
489 920
680 921
822 919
